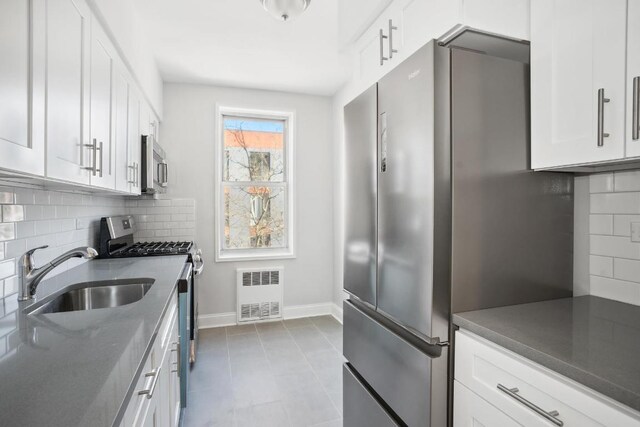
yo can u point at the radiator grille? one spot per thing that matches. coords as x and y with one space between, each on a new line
259 294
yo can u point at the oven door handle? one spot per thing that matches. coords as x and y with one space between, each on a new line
198 263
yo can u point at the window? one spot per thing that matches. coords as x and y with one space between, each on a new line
254 185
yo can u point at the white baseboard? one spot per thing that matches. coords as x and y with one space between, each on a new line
293 312
216 320
307 310
336 312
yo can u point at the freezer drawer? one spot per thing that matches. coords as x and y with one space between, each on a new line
361 409
409 380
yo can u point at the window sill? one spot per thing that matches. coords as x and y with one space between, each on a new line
254 256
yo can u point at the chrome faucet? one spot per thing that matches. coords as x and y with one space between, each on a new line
29 276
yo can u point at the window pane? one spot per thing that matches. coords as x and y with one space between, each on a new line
254 217
253 149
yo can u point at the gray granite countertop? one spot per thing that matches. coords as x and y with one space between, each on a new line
591 340
79 368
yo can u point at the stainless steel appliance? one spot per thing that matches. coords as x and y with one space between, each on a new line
116 241
155 170
442 215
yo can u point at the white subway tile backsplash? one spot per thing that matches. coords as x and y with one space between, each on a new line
41 197
615 203
614 263
618 290
7 231
12 213
6 196
24 196
33 212
25 229
601 183
626 269
601 224
7 269
614 246
601 266
627 181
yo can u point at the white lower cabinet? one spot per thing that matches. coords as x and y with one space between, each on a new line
470 410
155 401
496 387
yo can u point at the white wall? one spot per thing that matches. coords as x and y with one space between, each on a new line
188 133
123 25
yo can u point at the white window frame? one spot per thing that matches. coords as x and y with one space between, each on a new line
252 254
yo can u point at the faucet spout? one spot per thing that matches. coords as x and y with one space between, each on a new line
30 277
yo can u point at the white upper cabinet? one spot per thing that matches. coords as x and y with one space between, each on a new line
120 138
134 142
103 59
577 82
18 149
633 79
68 24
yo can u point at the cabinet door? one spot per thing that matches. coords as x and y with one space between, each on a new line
470 410
19 151
67 101
123 173
633 79
103 58
134 145
577 48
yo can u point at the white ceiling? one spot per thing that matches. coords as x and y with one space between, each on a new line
237 43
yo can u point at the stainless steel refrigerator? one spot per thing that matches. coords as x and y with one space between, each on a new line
443 215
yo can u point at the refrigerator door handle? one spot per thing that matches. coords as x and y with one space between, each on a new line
383 142
431 347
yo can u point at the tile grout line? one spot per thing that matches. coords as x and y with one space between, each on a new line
271 366
226 339
313 370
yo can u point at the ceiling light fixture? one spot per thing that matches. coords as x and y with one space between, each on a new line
285 9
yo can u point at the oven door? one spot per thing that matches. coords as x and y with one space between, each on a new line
198 267
184 300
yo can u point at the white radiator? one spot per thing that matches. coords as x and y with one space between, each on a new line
259 293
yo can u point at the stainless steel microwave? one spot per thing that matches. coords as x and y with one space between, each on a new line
155 171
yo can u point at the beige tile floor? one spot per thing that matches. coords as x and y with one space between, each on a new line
269 374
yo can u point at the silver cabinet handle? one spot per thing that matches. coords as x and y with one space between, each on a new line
635 119
391 49
149 392
100 147
513 393
601 133
94 153
137 178
132 171
382 38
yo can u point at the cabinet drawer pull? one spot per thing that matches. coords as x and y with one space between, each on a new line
391 49
155 374
513 393
382 38
601 133
635 118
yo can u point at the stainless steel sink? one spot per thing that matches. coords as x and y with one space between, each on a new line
92 295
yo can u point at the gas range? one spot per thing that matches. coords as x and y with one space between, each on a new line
154 248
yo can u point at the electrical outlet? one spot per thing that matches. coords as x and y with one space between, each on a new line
635 231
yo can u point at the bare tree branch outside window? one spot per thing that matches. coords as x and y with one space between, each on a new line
254 185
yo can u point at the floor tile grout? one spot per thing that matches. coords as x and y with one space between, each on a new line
314 371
